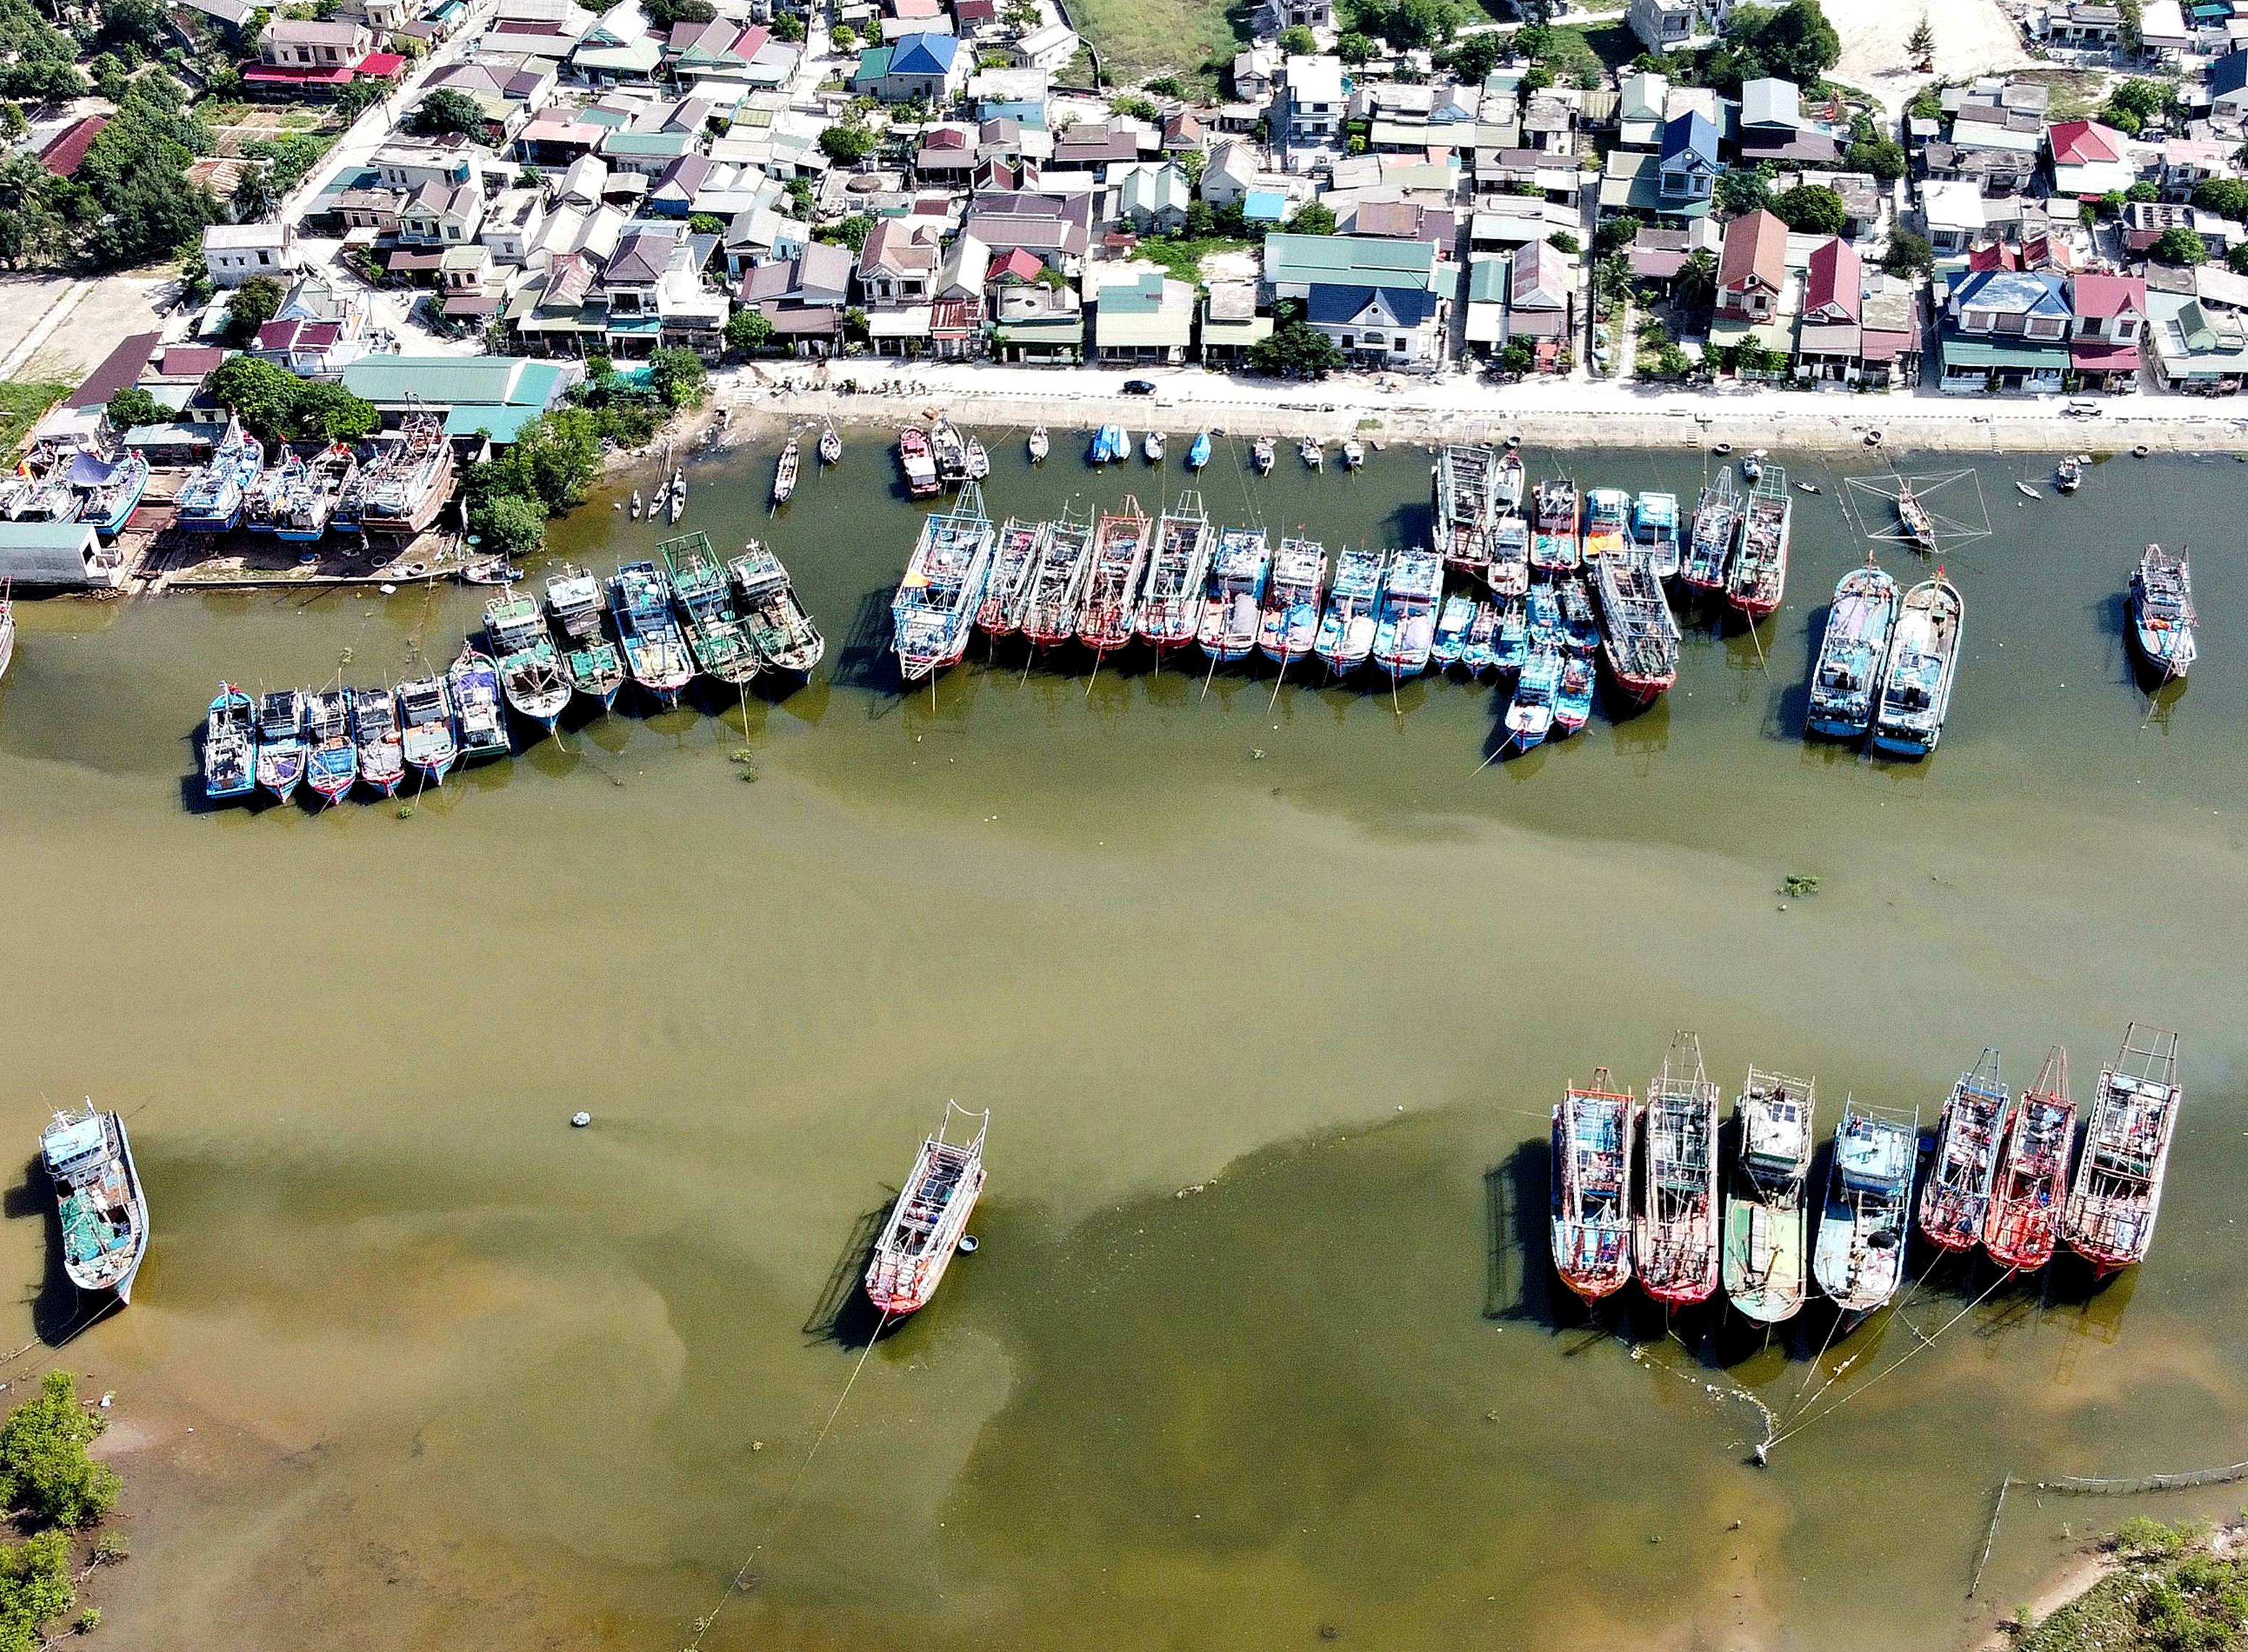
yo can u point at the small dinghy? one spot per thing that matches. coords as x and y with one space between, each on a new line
1039 445
830 446
784 473
1309 451
1153 447
1353 454
1261 453
1198 455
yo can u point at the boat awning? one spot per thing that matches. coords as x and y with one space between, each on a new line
1976 352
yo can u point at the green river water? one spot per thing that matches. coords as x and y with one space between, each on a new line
1269 1000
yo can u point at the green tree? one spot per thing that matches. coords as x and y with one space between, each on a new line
446 110
787 26
508 524
327 410
2142 191
2226 197
253 304
35 1589
2109 206
1695 288
705 223
844 37
354 98
107 74
846 143
850 232
1872 151
661 14
133 407
2178 245
1299 41
1518 357
45 1472
276 405
1474 59
1295 350
1909 253
1922 42
1313 218
13 124
1167 86
1353 48
1812 209
2236 259
747 330
678 378
1408 26
1741 190
1562 241
2146 101
1132 106
1615 232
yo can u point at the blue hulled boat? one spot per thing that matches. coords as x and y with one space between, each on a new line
1848 673
281 742
112 489
212 501
1529 718
1198 455
230 746
1923 661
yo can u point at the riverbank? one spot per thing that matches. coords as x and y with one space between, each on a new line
2131 1592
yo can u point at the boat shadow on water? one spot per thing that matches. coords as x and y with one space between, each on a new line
1518 1281
843 1315
59 1310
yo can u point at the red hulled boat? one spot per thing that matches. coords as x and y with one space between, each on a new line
2024 1219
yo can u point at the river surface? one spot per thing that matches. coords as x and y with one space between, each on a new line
1269 997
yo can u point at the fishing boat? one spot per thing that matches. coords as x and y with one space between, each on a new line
1346 636
1507 483
1641 632
1511 647
1759 576
655 651
473 682
675 501
933 611
1169 614
2162 616
1353 454
213 498
1464 506
1848 675
1405 623
592 663
1261 453
2023 1221
1580 629
1288 619
1924 658
1573 699
261 501
1554 527
1479 648
1858 1259
2109 1218
1040 445
831 445
110 490
229 743
1230 602
1055 597
1529 714
102 1209
1593 1129
281 742
308 504
1674 1237
1955 1199
1655 526
1308 451
1454 621
332 756
531 673
1153 446
1014 558
919 468
949 451
408 486
780 627
425 733
1508 572
1767 1215
979 462
1543 612
1913 519
785 472
1752 465
1709 563
1607 523
1198 455
2068 475
926 1225
374 730
703 597
1112 591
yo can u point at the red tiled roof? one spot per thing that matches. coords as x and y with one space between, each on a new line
189 360
1755 243
1836 279
264 75
383 65
2075 142
1998 255
2101 355
1017 263
67 148
2106 295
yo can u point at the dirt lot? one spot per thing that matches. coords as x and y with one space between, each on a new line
95 315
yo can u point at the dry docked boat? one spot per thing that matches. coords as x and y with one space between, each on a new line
331 757
374 728
926 1225
308 504
656 652
213 498
1345 635
935 609
1758 578
778 628
2023 1216
530 672
592 663
1918 527
1288 619
1112 593
425 717
110 490
1859 1256
1405 630
1709 561
1591 1187
2109 1220
1851 653
1463 488
2163 615
1014 558
1923 658
1055 596
102 1209
1170 607
1230 608
1673 1239
704 599
1954 1200
1554 527
261 501
404 489
1642 633
1766 1243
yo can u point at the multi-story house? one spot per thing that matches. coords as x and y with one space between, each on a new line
2006 330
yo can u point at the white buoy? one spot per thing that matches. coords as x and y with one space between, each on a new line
580 1121
968 1244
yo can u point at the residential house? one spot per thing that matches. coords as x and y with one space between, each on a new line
955 328
1890 327
2083 25
619 49
2199 348
324 48
470 285
2227 84
1376 299
1089 146
512 225
2185 163
1549 126
1752 267
804 297
440 216
1140 316
408 164
1049 47
1275 17
498 394
2006 330
1953 215
672 195
897 278
1156 197
65 153
644 154
1037 324
1541 304
1313 104
2108 329
1639 110
1688 168
1677 25
2087 160
2144 222
234 252
927 68
312 349
653 290
947 157
1826 326
555 140
1257 73
1232 323
1772 127
2164 35
1055 227
1656 256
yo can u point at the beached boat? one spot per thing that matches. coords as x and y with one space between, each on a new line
1529 714
2109 1218
1198 453
109 489
592 661
831 445
1014 558
1345 635
934 613
1858 1259
947 448
676 501
281 742
1655 526
261 500
1261 453
926 1225
784 471
531 673
1913 519
635 504
1055 597
1673 1240
1112 591
1288 619
1353 454
1040 445
914 459
2162 616
1593 1129
655 650
230 744
1405 623
1607 523
1464 506
1154 447
1554 547
1454 621
778 626
104 1210
1765 1247
1479 648
478 711
1923 658
404 489
212 499
2023 1221
308 504
1955 1198
330 754
1847 676
1508 572
1573 699
1641 639
374 732
1709 562
1230 601
1169 613
425 731
1758 577
704 598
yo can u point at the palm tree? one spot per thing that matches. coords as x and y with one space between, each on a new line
1693 292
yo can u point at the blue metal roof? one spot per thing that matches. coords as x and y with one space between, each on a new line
2012 292
1690 133
1409 306
2229 72
923 54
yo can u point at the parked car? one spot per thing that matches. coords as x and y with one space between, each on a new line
1139 387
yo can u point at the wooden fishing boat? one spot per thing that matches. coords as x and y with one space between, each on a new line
592 663
979 462
531 673
778 626
1758 577
1673 1240
7 624
99 1198
1580 627
281 742
1859 1259
479 714
1508 572
261 501
933 611
230 746
403 490
1923 658
926 1225
1040 445
1955 1199
1454 621
1014 558
1346 634
1055 596
1593 1129
1230 601
1511 647
330 755
1288 619
831 445
949 451
308 505
915 461
2109 1220
784 471
1154 447
1913 520
213 498
1654 529
109 489
1709 563
1464 506
1607 523
1529 714
635 504
1507 483
1112 593
2022 1220
1169 613
1572 698
2163 617
655 650
703 597
1641 636
1554 527
1766 1250
425 731
1405 624
1261 453
1479 648
1851 654
374 730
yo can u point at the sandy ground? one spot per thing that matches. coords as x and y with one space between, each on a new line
1972 38
70 324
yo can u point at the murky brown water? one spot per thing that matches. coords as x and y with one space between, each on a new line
458 1375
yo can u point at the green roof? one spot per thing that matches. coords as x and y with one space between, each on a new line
1350 260
456 382
650 144
1975 352
873 64
1487 280
502 424
641 57
1143 296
